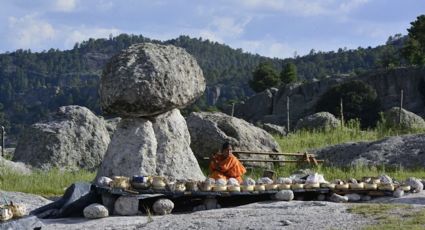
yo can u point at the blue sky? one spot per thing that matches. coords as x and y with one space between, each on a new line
274 28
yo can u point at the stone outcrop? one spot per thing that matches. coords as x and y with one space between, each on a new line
318 121
407 151
210 130
403 119
156 146
17 167
303 97
73 138
259 105
149 79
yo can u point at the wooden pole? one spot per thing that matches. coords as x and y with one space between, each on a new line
401 107
341 113
233 108
287 113
2 141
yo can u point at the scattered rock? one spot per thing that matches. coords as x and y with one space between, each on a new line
286 222
353 197
210 130
407 121
95 211
163 206
156 146
274 129
338 198
149 79
398 193
415 184
318 121
284 195
126 206
74 138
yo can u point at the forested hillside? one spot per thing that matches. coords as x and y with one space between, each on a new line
34 84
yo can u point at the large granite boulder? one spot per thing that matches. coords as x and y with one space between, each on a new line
318 121
210 130
7 166
257 106
408 120
156 146
407 151
74 138
149 79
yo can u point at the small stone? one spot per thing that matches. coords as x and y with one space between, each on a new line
385 179
338 198
95 211
163 206
126 206
285 195
210 203
415 184
103 181
398 193
366 198
353 197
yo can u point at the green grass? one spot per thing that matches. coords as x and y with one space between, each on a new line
45 183
391 216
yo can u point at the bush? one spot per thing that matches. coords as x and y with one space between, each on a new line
359 101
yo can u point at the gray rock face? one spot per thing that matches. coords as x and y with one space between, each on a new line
318 121
126 206
149 79
257 106
111 125
73 138
95 211
210 130
408 119
31 201
18 167
284 195
159 146
163 206
407 151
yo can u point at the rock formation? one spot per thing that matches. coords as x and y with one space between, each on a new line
146 84
406 151
318 121
148 79
210 130
408 120
73 138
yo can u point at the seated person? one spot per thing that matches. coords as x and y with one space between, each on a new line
225 165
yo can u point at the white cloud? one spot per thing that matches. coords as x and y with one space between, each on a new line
30 32
65 5
74 35
266 47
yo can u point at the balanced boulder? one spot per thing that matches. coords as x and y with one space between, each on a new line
210 130
156 146
73 138
149 79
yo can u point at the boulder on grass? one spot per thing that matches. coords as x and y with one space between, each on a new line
318 121
95 211
408 120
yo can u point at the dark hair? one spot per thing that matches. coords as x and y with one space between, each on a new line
225 145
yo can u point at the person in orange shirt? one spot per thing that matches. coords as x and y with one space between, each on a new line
225 165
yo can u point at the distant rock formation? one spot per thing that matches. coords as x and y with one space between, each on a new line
145 84
303 97
149 79
73 138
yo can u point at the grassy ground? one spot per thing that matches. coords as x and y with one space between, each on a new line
48 183
391 216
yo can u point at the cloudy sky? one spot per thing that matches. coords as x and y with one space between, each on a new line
274 28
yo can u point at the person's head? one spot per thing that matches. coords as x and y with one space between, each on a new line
226 149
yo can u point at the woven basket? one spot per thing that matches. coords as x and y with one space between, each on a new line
259 187
342 186
356 186
310 186
370 186
247 188
284 187
271 186
327 185
405 188
297 186
219 188
386 187
233 188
